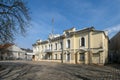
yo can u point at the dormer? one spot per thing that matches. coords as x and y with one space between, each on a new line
38 41
69 30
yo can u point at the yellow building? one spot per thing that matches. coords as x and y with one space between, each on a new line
84 46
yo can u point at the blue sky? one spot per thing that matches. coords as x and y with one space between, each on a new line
102 14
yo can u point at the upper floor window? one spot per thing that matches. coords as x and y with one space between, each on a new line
38 47
51 46
55 46
82 41
68 43
67 33
61 45
42 47
45 46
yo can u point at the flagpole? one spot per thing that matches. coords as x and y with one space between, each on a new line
52 25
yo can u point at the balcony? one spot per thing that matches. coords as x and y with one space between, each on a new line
48 50
83 48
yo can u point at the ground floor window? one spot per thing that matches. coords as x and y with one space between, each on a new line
42 57
56 56
82 57
96 58
49 56
61 56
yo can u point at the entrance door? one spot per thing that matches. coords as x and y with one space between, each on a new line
49 56
68 57
33 57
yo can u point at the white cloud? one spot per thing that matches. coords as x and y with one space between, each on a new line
113 30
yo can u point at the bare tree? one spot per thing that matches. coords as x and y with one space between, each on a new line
14 19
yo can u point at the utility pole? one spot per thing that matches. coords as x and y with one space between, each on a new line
51 37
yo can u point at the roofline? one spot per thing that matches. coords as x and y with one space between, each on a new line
69 29
115 35
74 32
102 32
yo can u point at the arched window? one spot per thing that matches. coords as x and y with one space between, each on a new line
82 41
68 43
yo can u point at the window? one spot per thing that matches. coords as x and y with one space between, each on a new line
68 43
45 46
42 47
55 46
82 41
61 45
61 56
68 57
67 33
51 46
56 56
82 57
18 55
38 47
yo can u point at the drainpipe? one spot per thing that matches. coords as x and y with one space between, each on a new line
62 53
89 54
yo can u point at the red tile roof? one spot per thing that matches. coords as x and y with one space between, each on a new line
4 46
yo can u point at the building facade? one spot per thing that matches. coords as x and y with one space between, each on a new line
114 49
84 46
28 53
10 51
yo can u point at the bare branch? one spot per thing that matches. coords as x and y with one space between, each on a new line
14 19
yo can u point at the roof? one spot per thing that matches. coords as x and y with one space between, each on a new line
115 42
117 35
72 33
70 29
5 46
86 29
27 50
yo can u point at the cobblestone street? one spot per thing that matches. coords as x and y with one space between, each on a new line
29 70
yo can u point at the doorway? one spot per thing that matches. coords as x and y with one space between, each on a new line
68 57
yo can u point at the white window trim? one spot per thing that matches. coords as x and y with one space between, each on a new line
61 46
67 43
80 42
